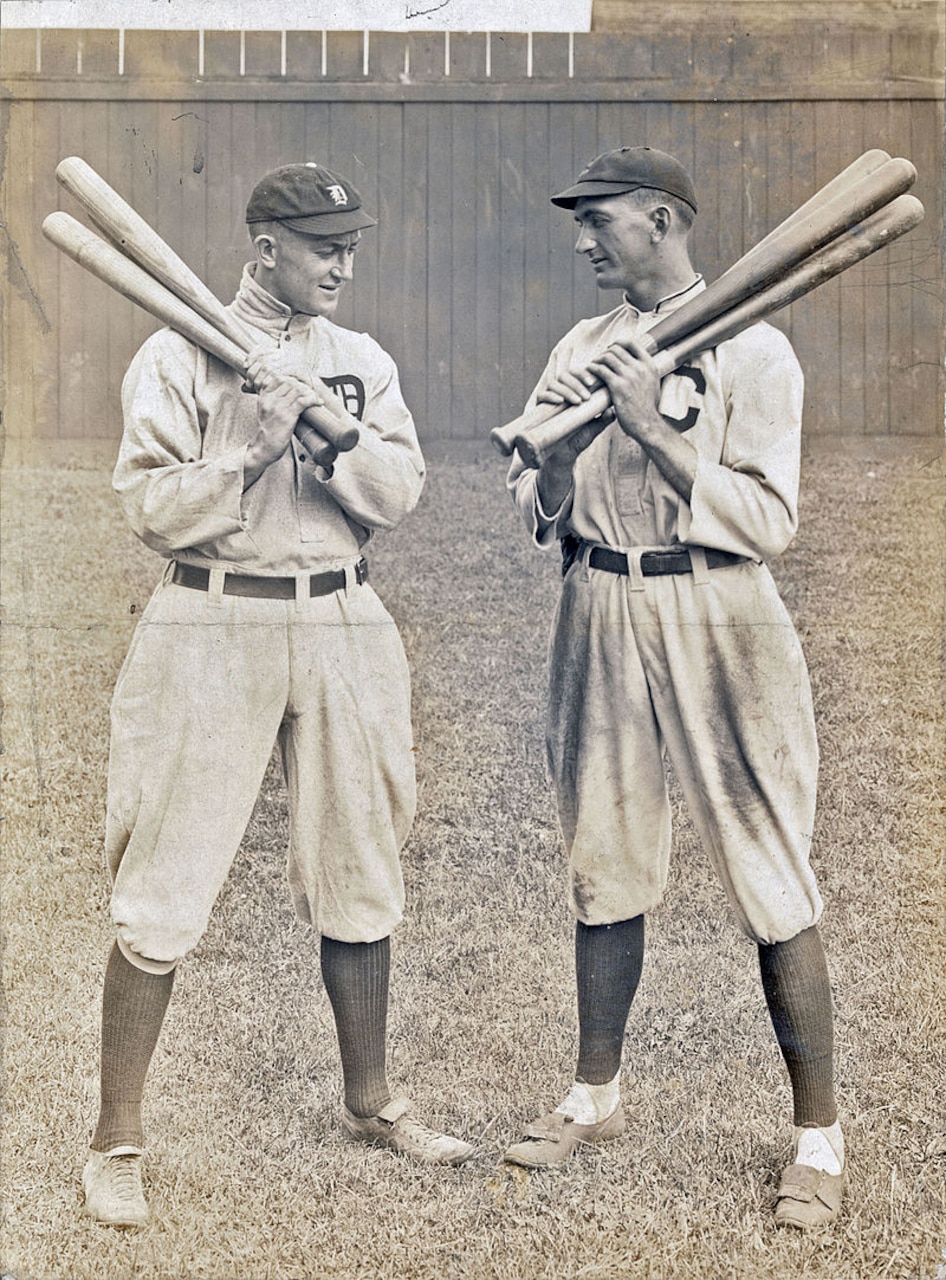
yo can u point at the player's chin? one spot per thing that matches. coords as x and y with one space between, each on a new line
323 304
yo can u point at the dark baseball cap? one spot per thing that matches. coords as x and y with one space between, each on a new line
627 169
309 198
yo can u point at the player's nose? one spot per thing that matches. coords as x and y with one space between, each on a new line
344 267
585 242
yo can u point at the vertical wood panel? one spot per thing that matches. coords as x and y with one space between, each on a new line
872 278
539 337
909 315
827 299
926 250
487 163
414 345
466 417
440 301
512 247
586 299
83 398
31 301
710 257
803 319
27 326
352 152
316 137
117 312
227 244
851 312
363 172
239 180
393 321
901 384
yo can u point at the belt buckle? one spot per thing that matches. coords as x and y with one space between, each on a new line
361 571
667 561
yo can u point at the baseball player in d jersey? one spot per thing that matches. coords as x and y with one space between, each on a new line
264 629
670 637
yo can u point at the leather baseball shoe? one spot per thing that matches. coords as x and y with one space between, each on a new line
396 1127
111 1181
808 1197
551 1139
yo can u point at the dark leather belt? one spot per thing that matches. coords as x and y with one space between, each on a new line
654 563
241 584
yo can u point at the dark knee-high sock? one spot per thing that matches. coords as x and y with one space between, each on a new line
798 992
133 1007
356 977
608 963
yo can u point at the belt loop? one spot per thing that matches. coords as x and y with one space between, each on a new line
351 577
215 586
302 587
635 575
584 559
699 565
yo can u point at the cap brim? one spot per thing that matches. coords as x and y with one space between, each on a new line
331 224
568 199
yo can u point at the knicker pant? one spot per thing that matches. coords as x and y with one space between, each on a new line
713 672
207 689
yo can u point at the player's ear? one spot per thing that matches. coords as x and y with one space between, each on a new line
661 219
267 249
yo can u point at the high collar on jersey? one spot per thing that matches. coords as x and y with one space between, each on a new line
254 305
672 302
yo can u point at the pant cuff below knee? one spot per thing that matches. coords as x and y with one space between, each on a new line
142 962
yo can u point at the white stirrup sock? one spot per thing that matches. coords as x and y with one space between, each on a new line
591 1103
820 1148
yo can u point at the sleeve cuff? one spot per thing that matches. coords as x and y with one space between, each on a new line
546 523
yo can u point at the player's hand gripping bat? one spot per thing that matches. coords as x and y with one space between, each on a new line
323 432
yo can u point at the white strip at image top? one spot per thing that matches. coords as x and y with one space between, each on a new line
306 15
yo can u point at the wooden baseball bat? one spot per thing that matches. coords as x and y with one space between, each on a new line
863 187
140 242
111 266
787 247
846 180
874 232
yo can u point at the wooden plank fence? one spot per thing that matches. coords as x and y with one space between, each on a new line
456 142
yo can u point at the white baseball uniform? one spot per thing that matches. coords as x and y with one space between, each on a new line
705 665
213 680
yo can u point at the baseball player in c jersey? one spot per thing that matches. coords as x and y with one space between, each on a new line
670 637
263 629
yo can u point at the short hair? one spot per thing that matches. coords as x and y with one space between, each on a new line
274 228
647 197
270 229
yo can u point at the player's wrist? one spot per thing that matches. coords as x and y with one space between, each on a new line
554 483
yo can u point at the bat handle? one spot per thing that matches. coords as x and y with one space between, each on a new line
338 435
320 450
504 438
535 445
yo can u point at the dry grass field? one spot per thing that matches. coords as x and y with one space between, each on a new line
249 1174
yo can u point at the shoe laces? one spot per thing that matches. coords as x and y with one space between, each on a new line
124 1176
419 1132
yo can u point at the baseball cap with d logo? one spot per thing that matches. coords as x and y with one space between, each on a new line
308 198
